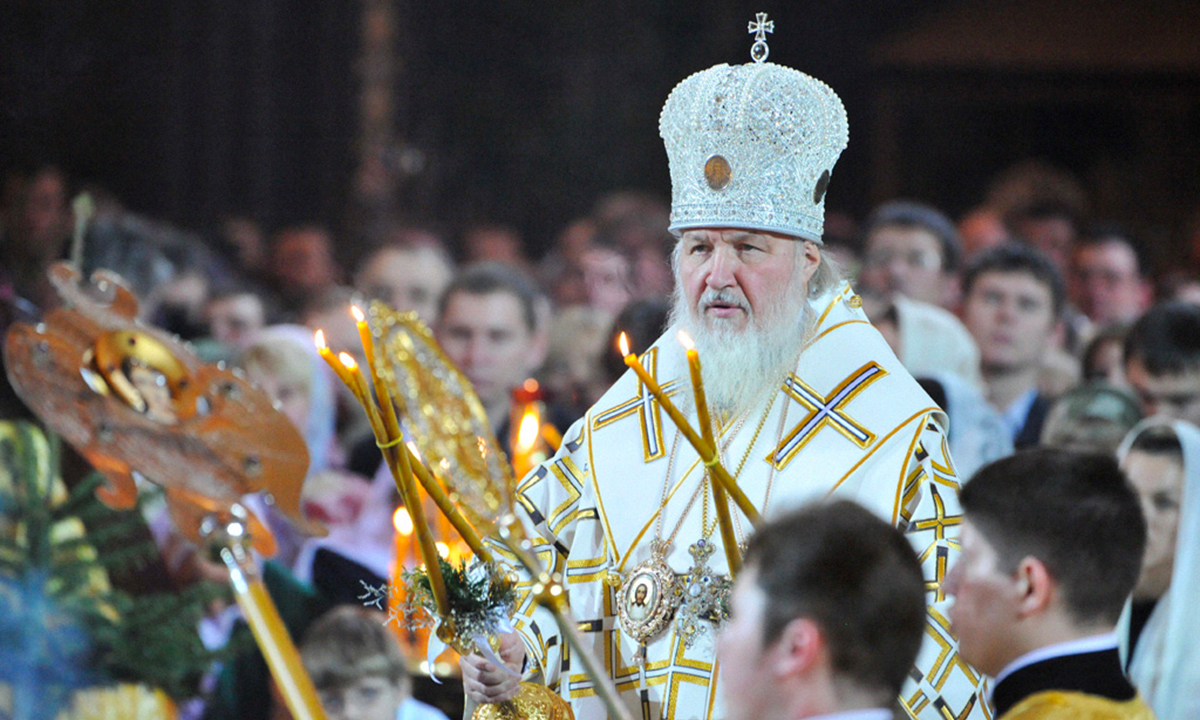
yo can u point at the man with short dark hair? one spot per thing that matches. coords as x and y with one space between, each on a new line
408 274
1050 225
1052 543
826 618
1108 282
1013 301
489 327
909 277
913 250
1162 361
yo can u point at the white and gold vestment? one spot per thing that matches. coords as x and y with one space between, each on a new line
849 421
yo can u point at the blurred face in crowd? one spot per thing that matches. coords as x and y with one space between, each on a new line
606 277
1158 479
981 229
1052 235
745 672
1172 395
406 279
985 602
1105 283
487 337
905 261
291 395
302 260
233 319
45 218
1011 316
373 697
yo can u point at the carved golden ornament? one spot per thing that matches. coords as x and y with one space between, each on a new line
129 396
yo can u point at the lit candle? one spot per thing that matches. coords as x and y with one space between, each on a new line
357 379
528 433
327 354
403 523
706 451
728 539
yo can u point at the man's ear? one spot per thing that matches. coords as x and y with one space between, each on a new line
800 648
812 259
1036 587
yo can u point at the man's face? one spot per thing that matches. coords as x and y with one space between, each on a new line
905 261
303 260
1175 396
1105 284
1158 479
985 602
744 676
1052 235
606 277
487 338
233 320
46 216
405 280
733 277
292 399
368 698
1011 317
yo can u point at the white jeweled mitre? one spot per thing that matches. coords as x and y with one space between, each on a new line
752 146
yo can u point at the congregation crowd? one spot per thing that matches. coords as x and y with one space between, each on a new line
1031 320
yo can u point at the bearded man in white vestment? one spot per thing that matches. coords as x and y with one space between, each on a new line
806 398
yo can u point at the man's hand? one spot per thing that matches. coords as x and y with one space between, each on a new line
483 682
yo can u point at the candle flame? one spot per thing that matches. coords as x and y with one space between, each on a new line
443 549
527 432
319 339
686 340
444 464
348 361
623 343
402 521
357 313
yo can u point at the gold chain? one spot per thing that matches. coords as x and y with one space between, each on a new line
704 488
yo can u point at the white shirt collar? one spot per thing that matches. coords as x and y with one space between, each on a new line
1017 412
868 714
1095 643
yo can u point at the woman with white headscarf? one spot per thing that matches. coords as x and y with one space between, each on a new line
1160 629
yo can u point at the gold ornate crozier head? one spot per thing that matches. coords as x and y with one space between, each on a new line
449 425
132 398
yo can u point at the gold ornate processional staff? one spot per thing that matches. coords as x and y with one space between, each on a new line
133 399
447 423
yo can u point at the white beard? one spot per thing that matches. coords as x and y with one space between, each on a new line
743 369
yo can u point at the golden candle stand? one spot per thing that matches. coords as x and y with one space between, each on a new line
134 399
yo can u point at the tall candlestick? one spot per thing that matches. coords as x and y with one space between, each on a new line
707 452
393 436
390 422
732 555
